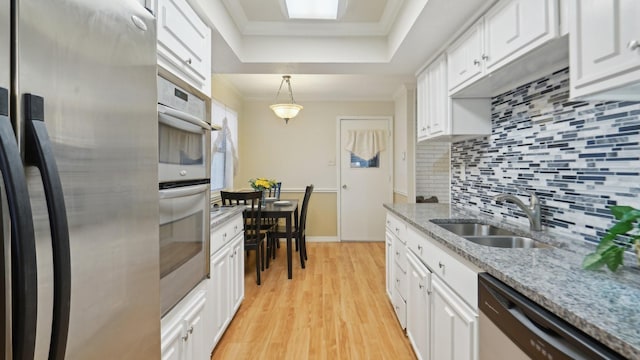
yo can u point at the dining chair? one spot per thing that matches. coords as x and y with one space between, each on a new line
254 235
298 233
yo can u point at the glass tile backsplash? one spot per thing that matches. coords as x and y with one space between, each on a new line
579 156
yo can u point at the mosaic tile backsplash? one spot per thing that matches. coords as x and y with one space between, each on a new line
580 157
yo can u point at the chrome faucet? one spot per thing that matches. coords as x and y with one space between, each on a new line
532 210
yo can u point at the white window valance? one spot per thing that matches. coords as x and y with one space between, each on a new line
366 143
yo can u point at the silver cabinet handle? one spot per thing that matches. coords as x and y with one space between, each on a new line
633 45
476 62
420 247
428 292
185 337
420 286
440 265
485 57
190 330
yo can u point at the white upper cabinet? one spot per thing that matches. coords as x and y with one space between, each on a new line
514 25
465 57
433 101
184 43
509 30
605 49
441 118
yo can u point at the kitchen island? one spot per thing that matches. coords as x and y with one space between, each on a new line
600 303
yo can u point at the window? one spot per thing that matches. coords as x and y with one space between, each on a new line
223 146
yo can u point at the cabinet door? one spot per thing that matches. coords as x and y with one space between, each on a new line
418 303
195 345
604 45
237 272
454 325
421 105
515 27
389 264
438 122
184 41
219 293
465 57
172 342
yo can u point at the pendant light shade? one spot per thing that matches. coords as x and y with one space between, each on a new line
286 111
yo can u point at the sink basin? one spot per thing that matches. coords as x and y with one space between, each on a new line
506 241
474 229
489 235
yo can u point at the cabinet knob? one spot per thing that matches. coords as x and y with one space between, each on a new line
424 128
420 247
485 57
476 62
428 292
185 337
633 45
398 253
420 286
191 330
440 265
189 61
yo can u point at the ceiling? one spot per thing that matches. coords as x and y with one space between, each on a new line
374 47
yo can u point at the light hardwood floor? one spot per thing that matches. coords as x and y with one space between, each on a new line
336 308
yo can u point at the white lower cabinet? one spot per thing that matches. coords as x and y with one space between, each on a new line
397 266
441 300
389 265
183 329
418 306
454 324
225 287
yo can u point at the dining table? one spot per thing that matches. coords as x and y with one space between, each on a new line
288 210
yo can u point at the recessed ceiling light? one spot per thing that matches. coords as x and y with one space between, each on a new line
312 9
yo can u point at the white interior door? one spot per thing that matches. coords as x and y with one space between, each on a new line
364 185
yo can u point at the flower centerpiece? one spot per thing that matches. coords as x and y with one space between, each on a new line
262 184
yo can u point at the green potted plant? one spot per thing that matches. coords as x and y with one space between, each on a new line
610 250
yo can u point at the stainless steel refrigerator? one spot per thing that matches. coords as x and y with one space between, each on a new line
79 163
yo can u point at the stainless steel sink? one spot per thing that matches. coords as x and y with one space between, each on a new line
474 229
489 235
506 241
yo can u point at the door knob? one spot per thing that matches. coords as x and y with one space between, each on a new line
344 186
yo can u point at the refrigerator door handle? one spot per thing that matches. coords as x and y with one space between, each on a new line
39 152
24 291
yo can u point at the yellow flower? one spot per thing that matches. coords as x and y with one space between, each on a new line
262 183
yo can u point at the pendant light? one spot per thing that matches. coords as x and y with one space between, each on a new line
286 111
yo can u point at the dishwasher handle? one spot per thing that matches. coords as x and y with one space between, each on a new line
538 332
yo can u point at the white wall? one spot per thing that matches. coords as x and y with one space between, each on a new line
300 152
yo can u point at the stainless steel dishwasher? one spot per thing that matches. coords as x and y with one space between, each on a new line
513 327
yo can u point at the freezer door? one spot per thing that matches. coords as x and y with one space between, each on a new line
94 65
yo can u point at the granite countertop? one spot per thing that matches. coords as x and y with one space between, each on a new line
222 214
604 305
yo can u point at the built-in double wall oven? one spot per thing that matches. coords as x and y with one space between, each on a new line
184 138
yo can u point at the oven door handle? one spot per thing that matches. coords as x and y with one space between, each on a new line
182 191
182 116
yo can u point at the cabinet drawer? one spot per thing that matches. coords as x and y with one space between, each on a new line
221 235
400 307
397 227
459 275
400 253
400 281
